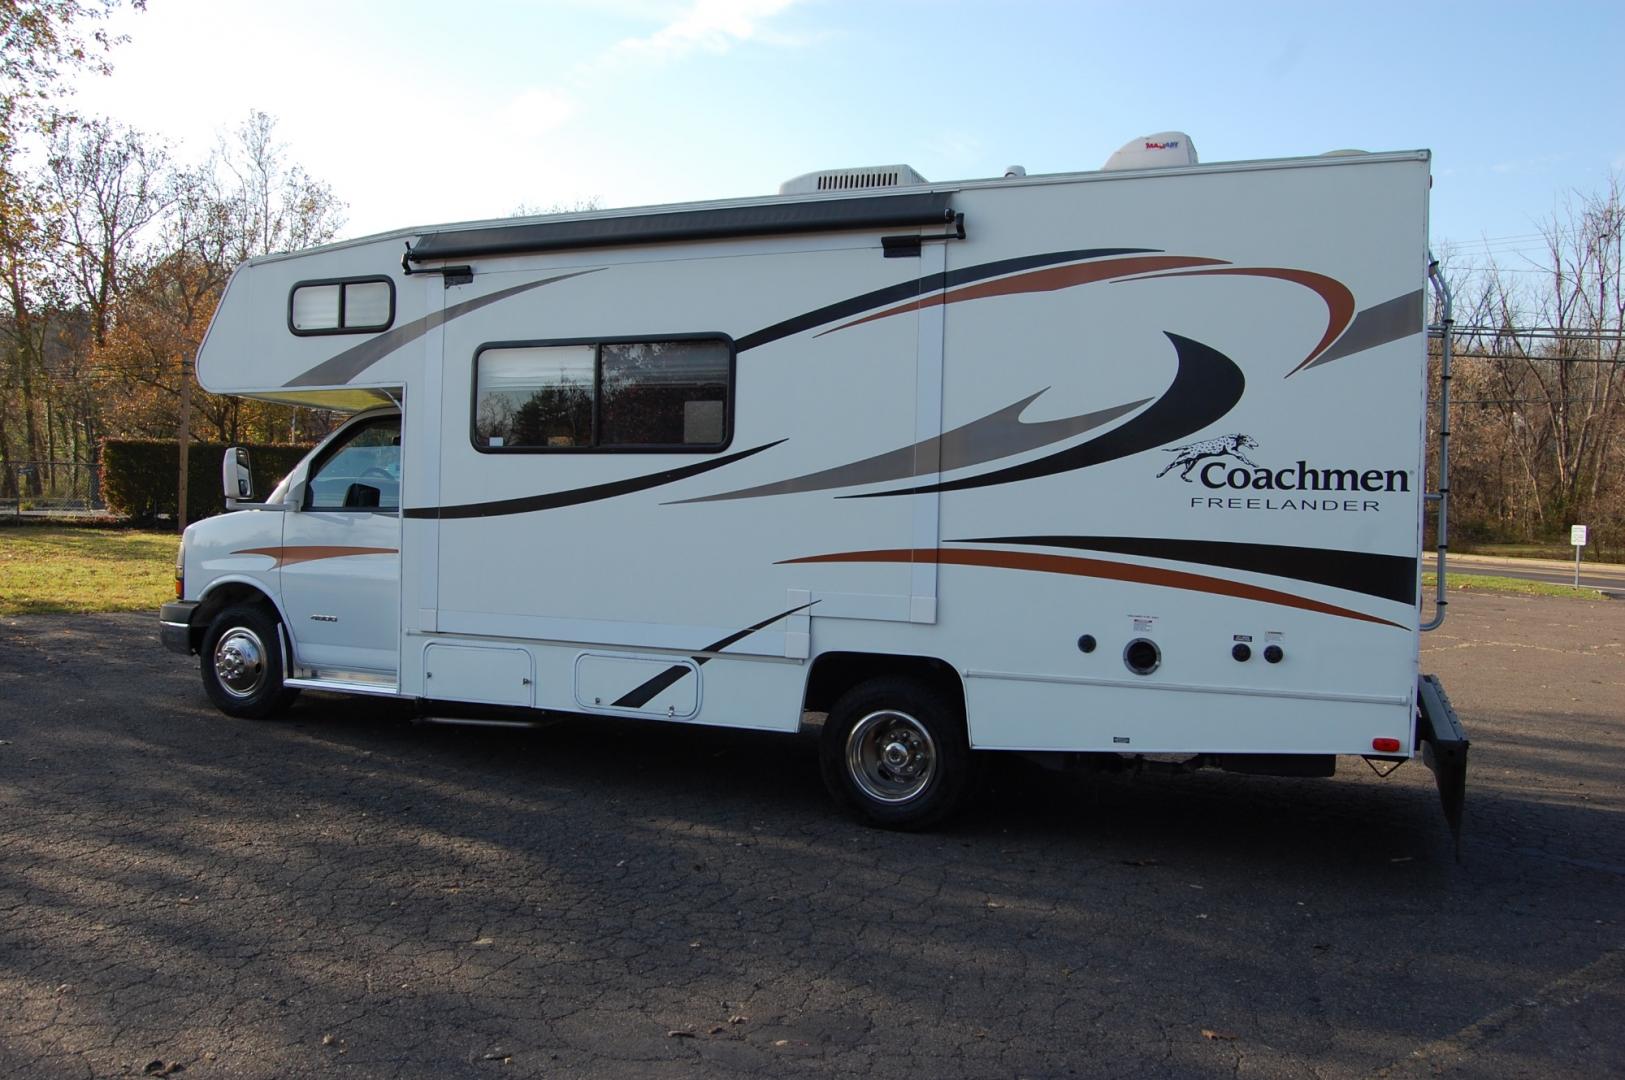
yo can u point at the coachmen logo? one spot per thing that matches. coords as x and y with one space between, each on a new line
1192 454
1222 464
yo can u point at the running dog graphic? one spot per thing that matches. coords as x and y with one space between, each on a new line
1192 454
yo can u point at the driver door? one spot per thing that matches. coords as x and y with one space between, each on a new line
341 558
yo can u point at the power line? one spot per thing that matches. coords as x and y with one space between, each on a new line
1541 331
1548 271
1520 401
1539 359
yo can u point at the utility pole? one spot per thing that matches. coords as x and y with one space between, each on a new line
185 443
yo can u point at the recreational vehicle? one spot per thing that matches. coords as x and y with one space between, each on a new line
1097 467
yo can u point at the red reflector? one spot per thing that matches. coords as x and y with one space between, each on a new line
1385 746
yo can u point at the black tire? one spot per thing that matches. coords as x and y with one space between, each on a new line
242 663
895 752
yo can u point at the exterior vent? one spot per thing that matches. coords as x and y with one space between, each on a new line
880 176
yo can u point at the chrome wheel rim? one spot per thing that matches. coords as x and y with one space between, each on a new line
239 662
890 756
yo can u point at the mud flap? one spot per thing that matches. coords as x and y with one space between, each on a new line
1444 750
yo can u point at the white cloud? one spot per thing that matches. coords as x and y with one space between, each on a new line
713 26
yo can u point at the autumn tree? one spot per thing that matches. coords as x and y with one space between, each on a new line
112 259
24 325
41 43
246 200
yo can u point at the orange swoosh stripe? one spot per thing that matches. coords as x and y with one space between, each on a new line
287 556
1046 280
1096 568
1339 300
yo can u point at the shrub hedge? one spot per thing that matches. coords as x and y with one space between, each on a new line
140 476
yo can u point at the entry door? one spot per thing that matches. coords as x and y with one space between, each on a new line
341 557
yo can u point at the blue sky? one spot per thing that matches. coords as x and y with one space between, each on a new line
419 112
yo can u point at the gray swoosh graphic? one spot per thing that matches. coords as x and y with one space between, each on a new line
1377 325
997 435
351 362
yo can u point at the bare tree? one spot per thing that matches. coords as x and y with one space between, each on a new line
560 206
270 205
108 184
1542 344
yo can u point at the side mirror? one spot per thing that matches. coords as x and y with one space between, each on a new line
235 478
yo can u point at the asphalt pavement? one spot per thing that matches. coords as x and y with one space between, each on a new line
344 892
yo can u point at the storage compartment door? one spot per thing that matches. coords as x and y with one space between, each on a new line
659 686
490 676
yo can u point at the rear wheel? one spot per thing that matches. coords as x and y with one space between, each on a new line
242 663
895 751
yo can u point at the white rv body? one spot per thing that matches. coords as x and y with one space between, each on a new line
1182 407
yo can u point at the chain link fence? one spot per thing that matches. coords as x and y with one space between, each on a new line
50 488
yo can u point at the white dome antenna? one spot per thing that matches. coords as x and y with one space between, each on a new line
1159 151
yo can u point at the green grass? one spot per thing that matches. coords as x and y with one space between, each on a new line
58 569
1488 583
1534 550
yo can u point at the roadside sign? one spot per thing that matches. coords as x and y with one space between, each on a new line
1577 535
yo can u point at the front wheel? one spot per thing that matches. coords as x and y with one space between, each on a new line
895 751
242 663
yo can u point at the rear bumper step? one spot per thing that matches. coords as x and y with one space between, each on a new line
1444 746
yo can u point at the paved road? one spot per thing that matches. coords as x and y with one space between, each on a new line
345 893
1609 578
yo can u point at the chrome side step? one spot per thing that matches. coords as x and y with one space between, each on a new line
345 686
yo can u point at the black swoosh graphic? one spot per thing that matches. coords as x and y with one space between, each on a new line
575 496
352 362
1206 386
640 696
906 290
1388 577
997 435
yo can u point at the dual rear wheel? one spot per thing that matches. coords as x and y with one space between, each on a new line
895 752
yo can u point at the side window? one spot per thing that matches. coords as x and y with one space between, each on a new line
613 395
535 396
360 306
363 472
664 393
